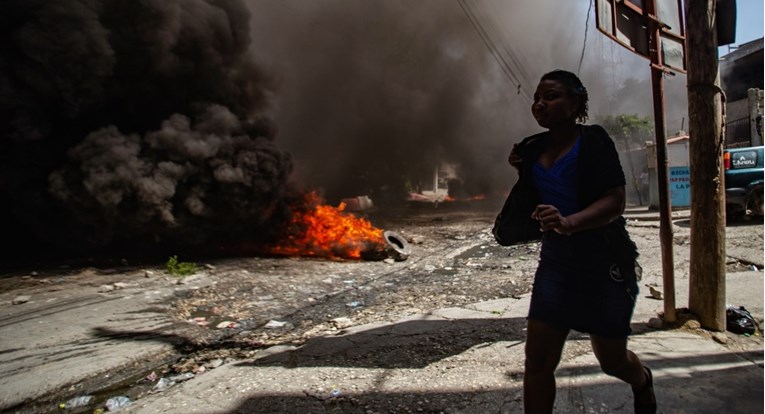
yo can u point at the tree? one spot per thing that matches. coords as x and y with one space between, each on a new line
629 131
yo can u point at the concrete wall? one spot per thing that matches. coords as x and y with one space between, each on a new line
678 153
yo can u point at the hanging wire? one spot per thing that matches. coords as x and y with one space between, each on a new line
486 38
515 58
584 44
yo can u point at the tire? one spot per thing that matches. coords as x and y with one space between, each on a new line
733 215
755 201
397 247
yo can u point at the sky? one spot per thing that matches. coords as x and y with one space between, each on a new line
749 23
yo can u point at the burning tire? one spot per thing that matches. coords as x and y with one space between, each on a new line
396 246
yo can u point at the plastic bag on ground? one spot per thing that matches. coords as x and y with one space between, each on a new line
739 320
78 402
117 403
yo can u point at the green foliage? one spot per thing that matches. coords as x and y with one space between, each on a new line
176 268
629 131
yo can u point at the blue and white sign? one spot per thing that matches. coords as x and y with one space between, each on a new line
680 186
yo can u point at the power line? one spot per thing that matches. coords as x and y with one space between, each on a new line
522 79
503 64
584 44
514 57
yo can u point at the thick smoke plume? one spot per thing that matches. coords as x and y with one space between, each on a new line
375 94
153 122
128 121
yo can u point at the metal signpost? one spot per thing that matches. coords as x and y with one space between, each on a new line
655 30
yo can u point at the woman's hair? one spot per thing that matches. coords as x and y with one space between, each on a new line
573 86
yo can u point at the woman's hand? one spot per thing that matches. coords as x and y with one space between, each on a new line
514 159
603 211
550 219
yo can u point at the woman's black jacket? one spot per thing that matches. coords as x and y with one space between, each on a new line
599 170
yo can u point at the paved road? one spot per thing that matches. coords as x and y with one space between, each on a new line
74 338
66 336
469 360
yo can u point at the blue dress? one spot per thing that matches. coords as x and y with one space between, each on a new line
575 287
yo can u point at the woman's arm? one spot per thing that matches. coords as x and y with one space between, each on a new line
598 214
515 159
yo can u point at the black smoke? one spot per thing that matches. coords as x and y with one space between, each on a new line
135 123
375 95
154 122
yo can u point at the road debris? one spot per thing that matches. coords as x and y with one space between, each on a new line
182 377
342 323
162 385
117 403
18 300
275 324
655 293
396 247
739 320
76 402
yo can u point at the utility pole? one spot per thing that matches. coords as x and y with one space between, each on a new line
706 296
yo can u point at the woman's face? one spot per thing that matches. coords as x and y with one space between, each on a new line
553 105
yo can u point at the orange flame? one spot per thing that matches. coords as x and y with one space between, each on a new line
329 232
478 197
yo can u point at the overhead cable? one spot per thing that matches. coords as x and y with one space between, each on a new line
514 78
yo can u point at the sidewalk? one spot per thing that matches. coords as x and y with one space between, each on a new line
644 213
425 364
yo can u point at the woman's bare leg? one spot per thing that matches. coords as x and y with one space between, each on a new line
544 344
616 360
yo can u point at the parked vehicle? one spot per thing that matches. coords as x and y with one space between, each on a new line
743 181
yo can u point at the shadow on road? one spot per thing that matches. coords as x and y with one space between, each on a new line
408 344
704 387
713 379
182 344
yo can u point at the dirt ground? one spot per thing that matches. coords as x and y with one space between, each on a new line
250 303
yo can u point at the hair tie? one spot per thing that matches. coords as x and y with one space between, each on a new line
581 89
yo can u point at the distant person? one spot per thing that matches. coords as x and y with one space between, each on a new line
586 279
644 186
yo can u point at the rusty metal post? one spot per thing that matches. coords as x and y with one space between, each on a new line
662 166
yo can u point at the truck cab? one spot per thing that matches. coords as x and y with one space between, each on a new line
743 181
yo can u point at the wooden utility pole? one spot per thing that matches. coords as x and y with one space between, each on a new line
706 296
